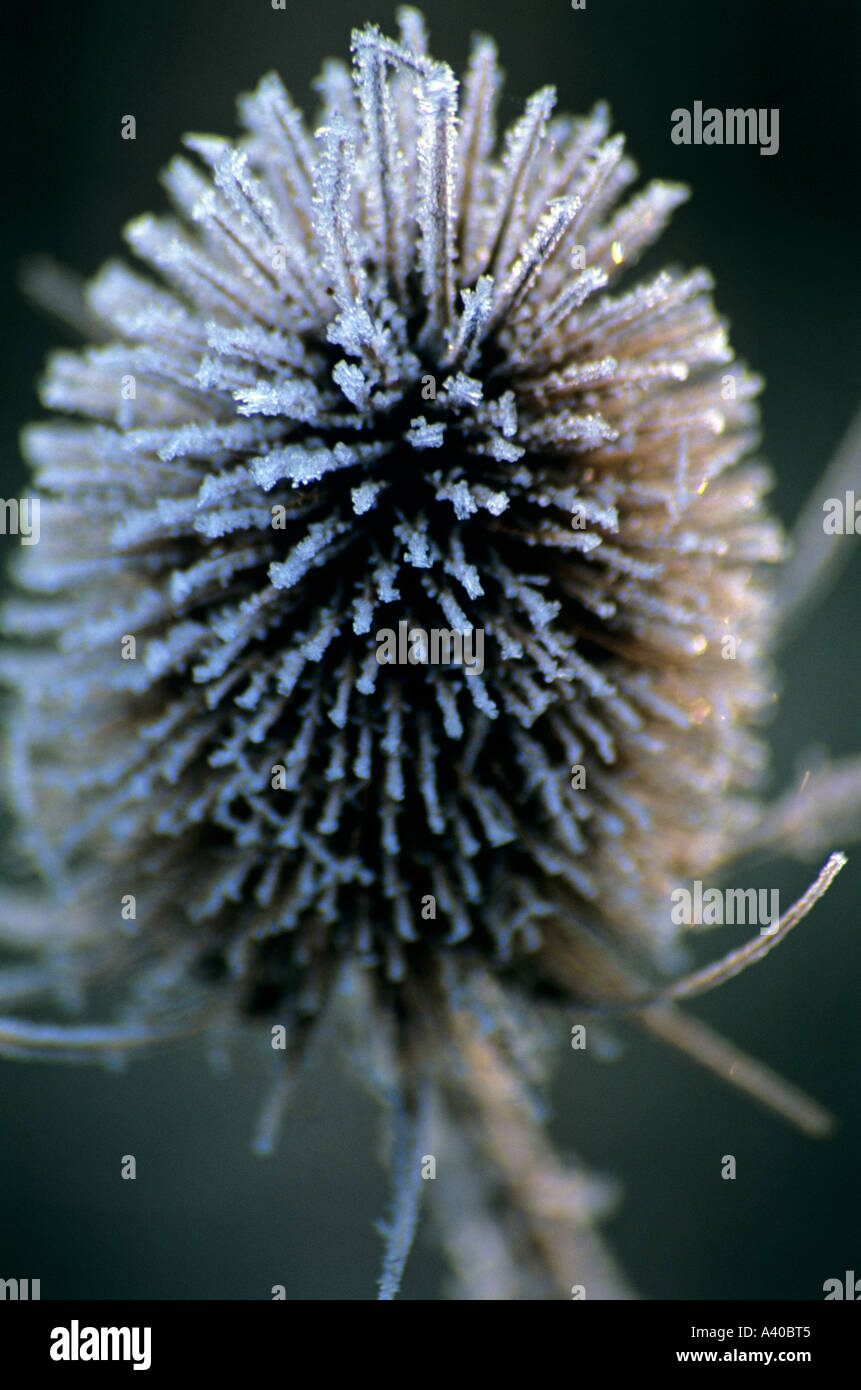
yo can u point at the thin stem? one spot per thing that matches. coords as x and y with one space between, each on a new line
552 1208
816 556
410 1134
704 1045
701 981
826 806
84 1042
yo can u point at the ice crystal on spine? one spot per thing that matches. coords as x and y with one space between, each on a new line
388 371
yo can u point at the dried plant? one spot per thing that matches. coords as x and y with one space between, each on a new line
391 373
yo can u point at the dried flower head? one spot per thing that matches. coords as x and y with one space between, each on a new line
387 378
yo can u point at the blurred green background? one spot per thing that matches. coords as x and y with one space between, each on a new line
204 1217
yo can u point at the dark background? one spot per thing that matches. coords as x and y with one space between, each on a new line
205 1218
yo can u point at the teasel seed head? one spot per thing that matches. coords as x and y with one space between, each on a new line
390 369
